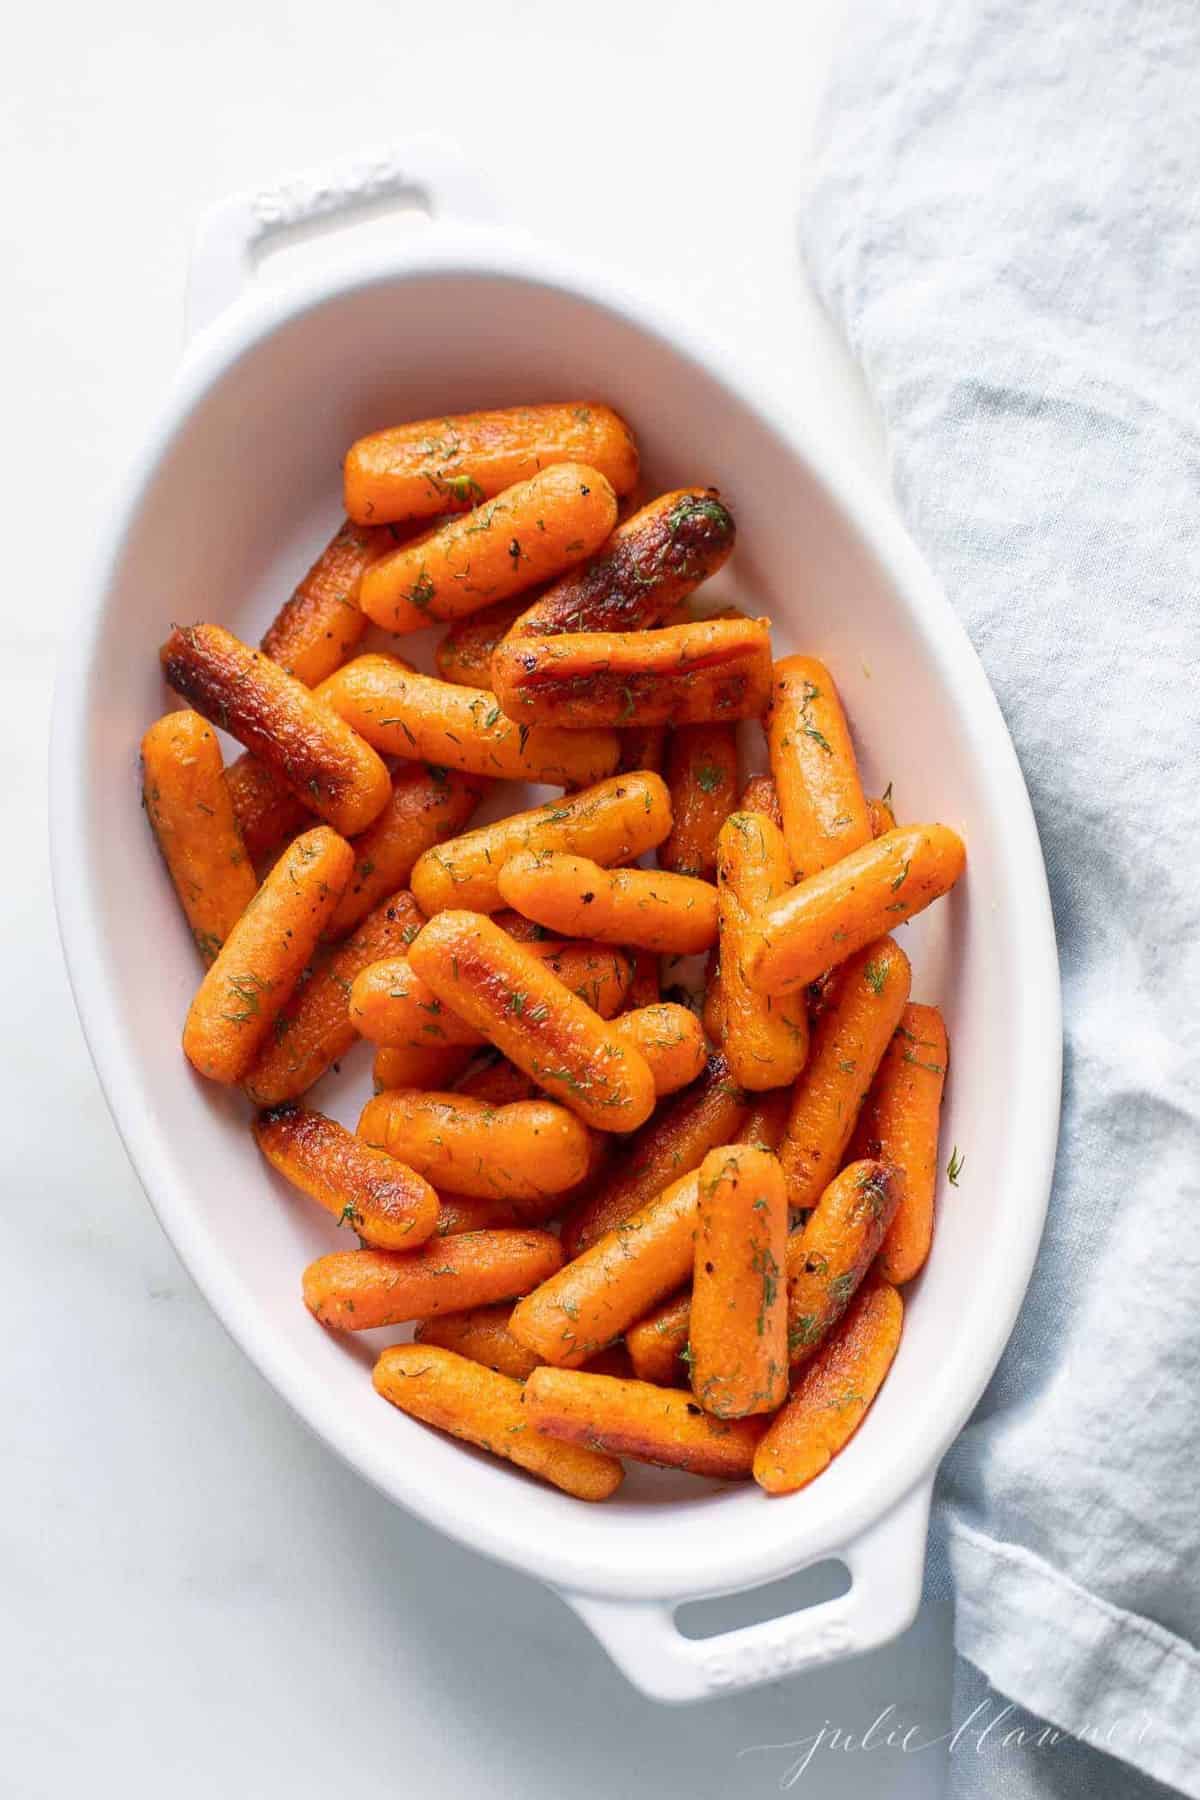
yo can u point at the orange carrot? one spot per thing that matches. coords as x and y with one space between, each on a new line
648 566
484 1407
506 992
644 907
356 1290
266 810
326 764
405 714
828 1259
264 955
632 1418
389 1206
883 818
467 1212
827 918
759 795
768 1119
670 1040
832 1393
658 1342
739 1311
482 1336
702 779
449 465
493 1078
314 632
613 822
314 1028
899 1125
610 1285
428 805
642 747
812 759
847 1046
189 806
529 533
764 1036
411 1068
516 1152
679 675
645 987
464 655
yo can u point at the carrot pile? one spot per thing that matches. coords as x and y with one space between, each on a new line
625 1222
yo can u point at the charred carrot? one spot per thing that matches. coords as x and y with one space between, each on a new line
484 1407
506 992
829 917
764 1036
526 535
389 1206
632 1418
648 566
899 1125
427 806
411 1068
482 1336
613 822
832 1393
612 1284
314 1028
314 632
716 669
828 1259
670 1039
264 955
266 809
812 760
739 1312
449 465
848 1044
464 655
673 1143
645 907
356 1290
189 806
658 1342
759 795
516 1152
326 764
702 780
405 714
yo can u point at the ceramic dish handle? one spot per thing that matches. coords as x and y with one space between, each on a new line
886 1565
231 232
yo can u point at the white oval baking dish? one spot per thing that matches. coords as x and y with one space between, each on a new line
235 488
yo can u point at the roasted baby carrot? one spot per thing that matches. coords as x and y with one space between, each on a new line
824 808
449 465
642 747
670 1039
645 987
484 1407
883 817
266 809
716 669
391 1004
739 1312
673 1143
526 535
645 907
388 1205
314 632
356 1290
326 764
648 566
899 1125
820 922
632 1418
760 795
415 716
492 1077
764 1036
464 655
848 1043
516 1152
264 955
189 806
701 780
314 1028
612 1284
482 1336
427 806
658 1343
828 1259
413 1068
831 1394
613 822
767 1120
467 1212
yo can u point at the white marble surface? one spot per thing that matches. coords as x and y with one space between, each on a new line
198 1600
